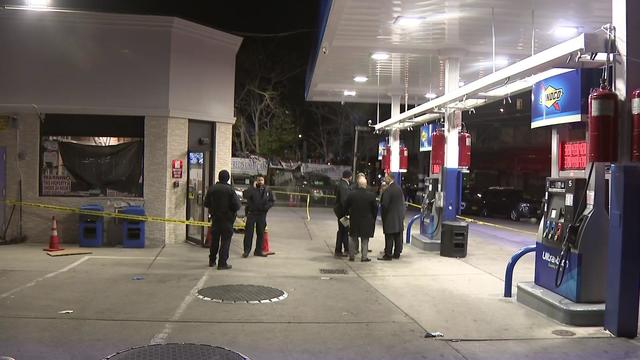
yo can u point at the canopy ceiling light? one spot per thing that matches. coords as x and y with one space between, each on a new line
568 55
408 21
380 56
349 93
360 78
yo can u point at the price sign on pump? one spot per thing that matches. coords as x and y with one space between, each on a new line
176 169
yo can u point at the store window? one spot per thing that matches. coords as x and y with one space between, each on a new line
91 155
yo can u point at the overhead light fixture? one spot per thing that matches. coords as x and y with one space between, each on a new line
349 93
360 78
430 95
460 83
38 4
408 21
380 56
566 31
443 16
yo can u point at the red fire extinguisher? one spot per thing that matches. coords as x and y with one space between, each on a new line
464 152
635 137
386 158
603 126
437 147
404 158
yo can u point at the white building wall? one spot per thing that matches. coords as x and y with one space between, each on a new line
165 69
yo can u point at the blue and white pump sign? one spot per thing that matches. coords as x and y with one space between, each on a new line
562 98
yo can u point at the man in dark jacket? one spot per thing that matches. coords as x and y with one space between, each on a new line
342 236
392 204
259 201
362 208
223 203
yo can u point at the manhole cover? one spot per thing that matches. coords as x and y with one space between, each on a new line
333 271
242 294
563 333
177 352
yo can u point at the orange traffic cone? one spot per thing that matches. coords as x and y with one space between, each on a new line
54 241
265 244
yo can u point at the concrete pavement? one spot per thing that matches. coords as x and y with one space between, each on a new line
378 310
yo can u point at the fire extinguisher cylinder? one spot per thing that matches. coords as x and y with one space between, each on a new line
602 134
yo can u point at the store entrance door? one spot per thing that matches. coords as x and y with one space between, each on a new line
197 178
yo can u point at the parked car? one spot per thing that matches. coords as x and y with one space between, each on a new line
502 201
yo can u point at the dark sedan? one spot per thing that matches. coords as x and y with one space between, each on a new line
502 201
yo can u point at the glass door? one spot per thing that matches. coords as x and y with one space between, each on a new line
197 175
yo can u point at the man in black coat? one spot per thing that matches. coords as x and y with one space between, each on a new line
392 204
342 236
223 203
259 201
362 207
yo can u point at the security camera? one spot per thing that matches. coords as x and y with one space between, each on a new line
369 122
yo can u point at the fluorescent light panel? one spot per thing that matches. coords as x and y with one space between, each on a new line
349 93
360 78
408 20
380 56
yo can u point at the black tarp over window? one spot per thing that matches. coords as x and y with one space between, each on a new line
116 167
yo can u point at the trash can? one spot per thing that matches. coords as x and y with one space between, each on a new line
91 226
132 230
454 241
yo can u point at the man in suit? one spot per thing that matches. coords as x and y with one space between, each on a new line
362 207
223 204
259 201
392 204
342 236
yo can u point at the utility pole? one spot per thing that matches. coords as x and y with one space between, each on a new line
355 145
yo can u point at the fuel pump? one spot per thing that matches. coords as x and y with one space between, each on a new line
635 137
431 209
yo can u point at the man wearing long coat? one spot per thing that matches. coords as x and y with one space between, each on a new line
392 204
362 208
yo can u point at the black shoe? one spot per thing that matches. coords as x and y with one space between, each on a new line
396 256
224 267
244 255
365 260
212 263
385 258
369 250
339 255
352 259
259 254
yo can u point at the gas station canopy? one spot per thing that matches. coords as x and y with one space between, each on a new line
371 50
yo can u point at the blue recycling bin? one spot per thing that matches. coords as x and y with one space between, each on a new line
132 230
91 226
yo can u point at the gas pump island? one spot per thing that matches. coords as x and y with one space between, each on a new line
571 246
434 214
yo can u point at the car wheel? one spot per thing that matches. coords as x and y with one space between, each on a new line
484 212
514 216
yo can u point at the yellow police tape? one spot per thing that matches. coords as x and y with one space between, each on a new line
116 215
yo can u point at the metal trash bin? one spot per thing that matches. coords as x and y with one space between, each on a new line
455 235
132 230
91 226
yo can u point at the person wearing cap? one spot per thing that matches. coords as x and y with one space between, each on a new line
259 201
342 236
223 204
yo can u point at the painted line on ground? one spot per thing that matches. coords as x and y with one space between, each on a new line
66 268
161 338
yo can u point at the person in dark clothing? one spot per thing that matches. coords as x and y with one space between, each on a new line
259 201
223 204
392 206
362 208
342 236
